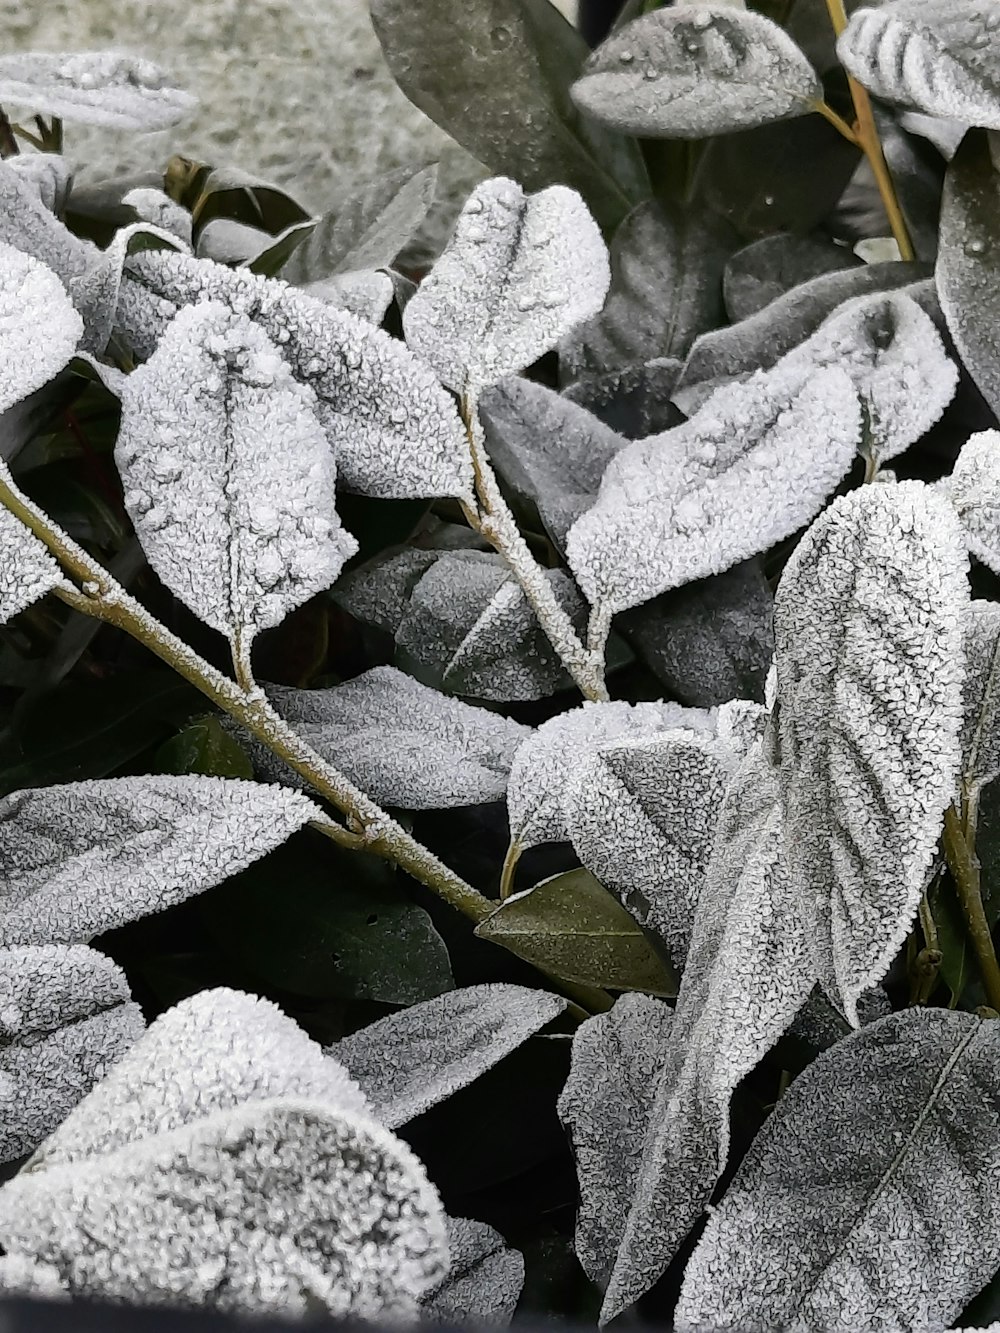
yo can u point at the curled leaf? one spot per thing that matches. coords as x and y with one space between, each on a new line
47 173
104 88
28 226
484 1278
96 291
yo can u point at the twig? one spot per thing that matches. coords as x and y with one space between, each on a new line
964 867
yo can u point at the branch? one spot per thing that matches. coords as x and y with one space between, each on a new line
964 867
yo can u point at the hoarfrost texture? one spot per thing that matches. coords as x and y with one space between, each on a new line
39 327
974 489
106 88
484 1278
28 226
28 571
981 696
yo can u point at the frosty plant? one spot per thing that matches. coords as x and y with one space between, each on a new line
624 577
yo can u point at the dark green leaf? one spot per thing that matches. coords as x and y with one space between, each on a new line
204 747
228 192
634 402
766 269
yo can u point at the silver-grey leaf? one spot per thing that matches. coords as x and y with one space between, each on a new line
519 272
229 480
411 1060
66 1016
632 402
39 327
869 620
641 814
766 269
689 73
379 592
48 173
869 1199
27 225
96 291
366 294
484 1278
974 490
80 859
981 696
936 55
28 571
106 88
606 1104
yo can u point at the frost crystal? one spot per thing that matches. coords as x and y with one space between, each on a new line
79 859
548 758
641 815
228 478
27 225
160 210
606 1106
66 1016
484 1278
868 630
687 73
28 571
974 488
379 592
751 467
104 88
368 295
936 55
853 1208
394 432
519 272
981 696
47 173
741 724
96 291
413 1059
39 329
747 974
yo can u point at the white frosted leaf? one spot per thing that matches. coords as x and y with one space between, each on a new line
27 225
80 859
21 1276
212 1052
692 72
279 1206
366 294
47 173
394 432
981 696
605 1107
547 759
868 622
158 209
519 272
96 291
750 468
552 452
469 628
28 571
411 1060
974 490
39 328
484 1278
106 88
869 1199
747 975
741 723
228 478
404 743
641 815
896 361
936 55
66 1016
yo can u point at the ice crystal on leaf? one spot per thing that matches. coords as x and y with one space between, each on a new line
97 290
393 430
66 1016
981 696
47 173
751 467
80 859
21 1276
936 55
28 571
974 488
484 1278
741 724
106 88
158 209
519 272
852 1209
228 478
27 225
605 1106
546 761
39 328
641 815
869 619
687 73
411 1060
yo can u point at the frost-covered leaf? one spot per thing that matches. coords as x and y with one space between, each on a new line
550 451
641 815
403 743
484 1278
747 974
634 401
974 490
741 723
868 645
368 230
751 467
411 1060
666 269
27 225
519 272
547 759
280 1206
106 88
364 294
66 1016
229 480
21 1276
80 859
690 73
96 291
896 361
869 1199
571 927
774 265
469 629
981 696
158 209
968 263
28 571
936 55
394 431
605 1107
379 593
39 328
47 173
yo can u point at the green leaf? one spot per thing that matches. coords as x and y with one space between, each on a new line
496 76
228 192
204 747
574 929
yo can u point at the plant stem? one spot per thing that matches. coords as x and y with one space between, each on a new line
964 867
497 524
838 122
867 137
509 867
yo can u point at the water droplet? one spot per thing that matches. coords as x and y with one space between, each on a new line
692 47
769 200
500 37
474 206
626 57
975 247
